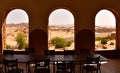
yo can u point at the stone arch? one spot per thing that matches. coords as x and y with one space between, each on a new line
12 8
67 9
4 24
62 7
117 17
73 12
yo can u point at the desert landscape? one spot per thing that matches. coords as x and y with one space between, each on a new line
63 31
11 32
107 33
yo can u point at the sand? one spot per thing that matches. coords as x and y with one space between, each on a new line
68 34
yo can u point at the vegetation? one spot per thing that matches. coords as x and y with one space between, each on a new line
21 41
103 41
60 42
109 37
8 47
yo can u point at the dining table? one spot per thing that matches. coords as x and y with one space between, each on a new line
22 58
76 58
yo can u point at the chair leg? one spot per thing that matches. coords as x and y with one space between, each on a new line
1 70
28 67
100 71
81 71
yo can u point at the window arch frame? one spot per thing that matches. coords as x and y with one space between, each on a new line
117 17
4 25
65 8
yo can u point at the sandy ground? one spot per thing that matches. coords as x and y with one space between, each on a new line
108 46
68 35
11 33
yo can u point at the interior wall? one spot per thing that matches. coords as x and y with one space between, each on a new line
84 12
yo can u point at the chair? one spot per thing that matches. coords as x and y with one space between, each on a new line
8 52
1 67
69 52
92 65
65 67
11 66
30 50
84 51
42 66
49 52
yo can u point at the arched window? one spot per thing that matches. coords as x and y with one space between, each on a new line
15 30
105 30
61 30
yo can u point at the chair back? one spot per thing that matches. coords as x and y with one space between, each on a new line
49 52
29 50
69 52
93 60
65 67
42 66
92 65
84 51
8 52
10 64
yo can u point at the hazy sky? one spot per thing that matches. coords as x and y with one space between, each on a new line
105 18
62 16
17 16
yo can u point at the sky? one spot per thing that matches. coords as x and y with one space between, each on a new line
105 18
61 16
17 16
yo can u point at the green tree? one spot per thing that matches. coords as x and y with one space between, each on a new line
21 41
8 47
60 42
103 41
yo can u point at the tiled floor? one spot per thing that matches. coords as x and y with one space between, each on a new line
113 66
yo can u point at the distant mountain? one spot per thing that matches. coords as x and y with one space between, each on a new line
62 26
105 29
20 25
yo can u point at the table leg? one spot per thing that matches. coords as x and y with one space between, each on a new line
28 67
54 67
80 67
